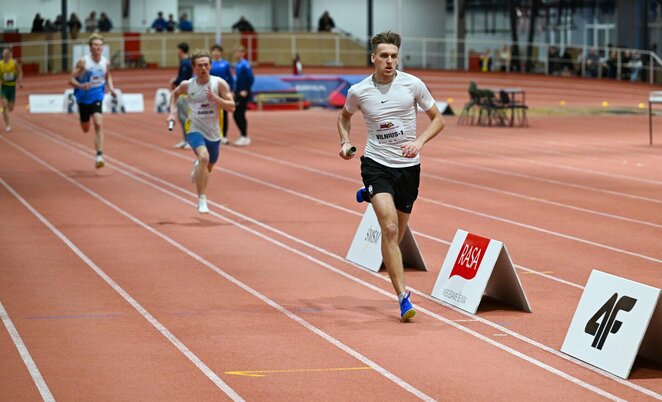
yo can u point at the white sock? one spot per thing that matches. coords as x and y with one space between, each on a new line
202 197
402 295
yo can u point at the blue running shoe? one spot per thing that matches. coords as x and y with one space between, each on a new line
362 195
407 311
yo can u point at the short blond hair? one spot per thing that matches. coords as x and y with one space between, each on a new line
93 37
198 54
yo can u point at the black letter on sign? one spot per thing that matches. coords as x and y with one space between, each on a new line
608 324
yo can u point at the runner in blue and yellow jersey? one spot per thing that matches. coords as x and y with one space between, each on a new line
207 96
89 79
10 75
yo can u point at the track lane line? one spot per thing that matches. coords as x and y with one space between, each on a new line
493 170
82 150
132 302
507 193
210 374
38 380
313 259
446 205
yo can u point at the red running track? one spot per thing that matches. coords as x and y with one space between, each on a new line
118 289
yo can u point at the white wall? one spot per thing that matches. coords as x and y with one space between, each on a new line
25 10
258 12
142 13
420 18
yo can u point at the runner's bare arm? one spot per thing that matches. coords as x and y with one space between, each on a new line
19 79
179 90
73 78
222 96
109 80
411 149
344 127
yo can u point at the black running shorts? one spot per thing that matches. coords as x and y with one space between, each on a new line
401 183
86 110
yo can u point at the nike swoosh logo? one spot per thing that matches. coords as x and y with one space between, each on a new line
385 101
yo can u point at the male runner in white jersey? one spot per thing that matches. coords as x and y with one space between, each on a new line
206 94
390 167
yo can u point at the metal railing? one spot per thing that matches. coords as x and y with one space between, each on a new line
315 49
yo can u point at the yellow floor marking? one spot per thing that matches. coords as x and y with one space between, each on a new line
263 373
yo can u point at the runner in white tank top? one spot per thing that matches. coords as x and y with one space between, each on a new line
206 95
390 167
203 114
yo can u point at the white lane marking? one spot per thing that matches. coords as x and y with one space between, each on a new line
492 342
139 308
25 354
81 150
231 393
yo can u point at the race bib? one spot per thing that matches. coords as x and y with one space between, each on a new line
389 131
204 111
8 76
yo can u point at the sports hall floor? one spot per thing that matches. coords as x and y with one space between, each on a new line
120 290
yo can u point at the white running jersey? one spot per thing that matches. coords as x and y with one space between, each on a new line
203 114
389 111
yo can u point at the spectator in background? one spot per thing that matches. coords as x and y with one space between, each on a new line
48 26
74 25
243 84
611 65
221 68
567 64
297 66
184 24
625 64
554 60
635 64
37 23
159 24
58 23
485 61
325 23
91 22
105 24
504 58
592 61
243 25
171 25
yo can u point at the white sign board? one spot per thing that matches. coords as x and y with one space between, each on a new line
66 103
366 248
113 104
611 322
477 266
45 103
162 100
133 103
69 104
655 97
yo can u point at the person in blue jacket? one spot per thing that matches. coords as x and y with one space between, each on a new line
185 72
242 89
221 68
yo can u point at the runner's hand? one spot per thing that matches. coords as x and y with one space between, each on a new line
410 149
344 151
211 95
